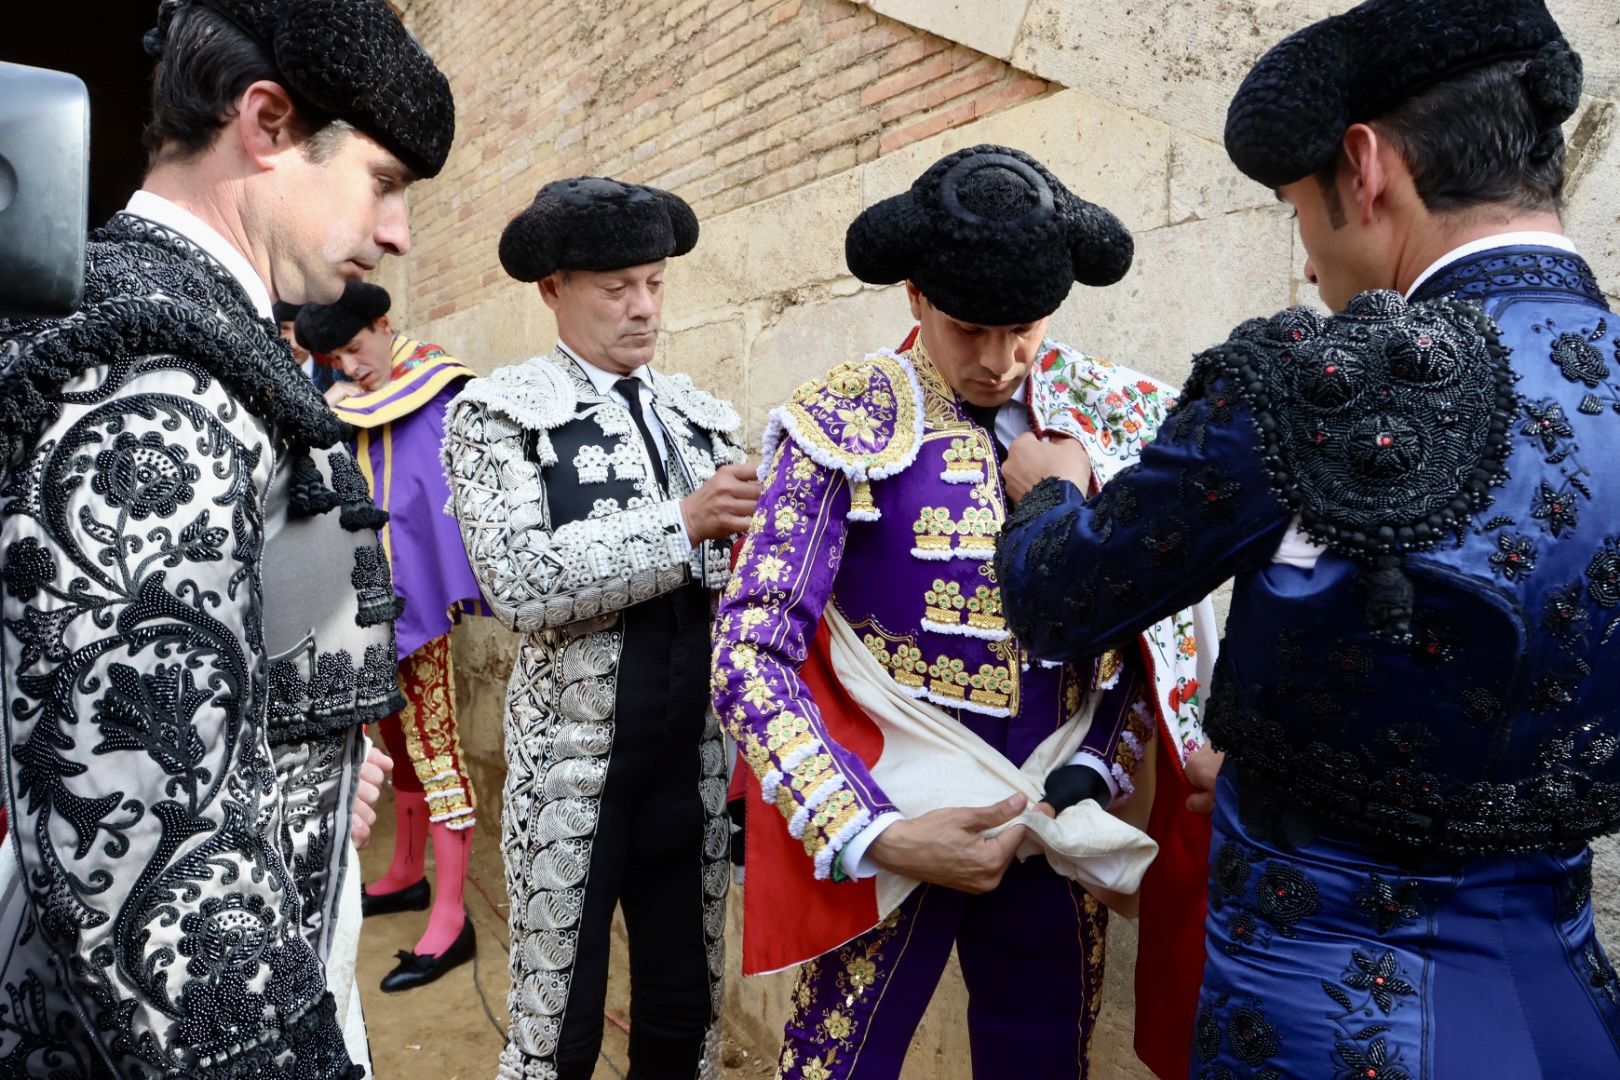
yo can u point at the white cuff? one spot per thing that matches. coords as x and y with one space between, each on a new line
855 864
680 513
1100 767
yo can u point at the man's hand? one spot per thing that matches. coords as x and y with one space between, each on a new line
340 390
724 505
946 847
372 771
1203 766
1031 459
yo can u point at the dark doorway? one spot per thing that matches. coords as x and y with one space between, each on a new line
100 42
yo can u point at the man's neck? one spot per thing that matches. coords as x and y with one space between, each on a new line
600 363
1445 233
216 201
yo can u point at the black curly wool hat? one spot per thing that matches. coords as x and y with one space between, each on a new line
350 60
285 312
1292 110
990 237
324 328
596 223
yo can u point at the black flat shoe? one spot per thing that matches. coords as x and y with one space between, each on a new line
411 898
416 970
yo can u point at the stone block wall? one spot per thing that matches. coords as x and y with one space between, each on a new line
780 119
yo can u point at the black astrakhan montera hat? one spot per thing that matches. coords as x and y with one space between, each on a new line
596 223
325 328
990 237
1292 110
349 60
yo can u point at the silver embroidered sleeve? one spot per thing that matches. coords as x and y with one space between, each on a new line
536 576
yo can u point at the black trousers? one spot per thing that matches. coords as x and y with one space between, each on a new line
648 853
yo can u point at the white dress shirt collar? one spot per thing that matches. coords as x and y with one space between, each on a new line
1489 243
172 216
601 378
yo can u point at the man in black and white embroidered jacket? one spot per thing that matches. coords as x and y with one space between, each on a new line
197 617
596 497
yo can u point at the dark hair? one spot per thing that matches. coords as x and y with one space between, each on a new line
207 63
1478 139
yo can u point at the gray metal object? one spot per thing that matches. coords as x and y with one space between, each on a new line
44 190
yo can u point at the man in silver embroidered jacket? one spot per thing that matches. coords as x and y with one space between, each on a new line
197 615
595 497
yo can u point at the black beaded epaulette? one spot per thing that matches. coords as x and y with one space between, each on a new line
1384 428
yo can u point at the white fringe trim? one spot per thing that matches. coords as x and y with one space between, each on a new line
965 630
768 785
961 477
865 515
945 555
790 761
464 812
965 704
447 793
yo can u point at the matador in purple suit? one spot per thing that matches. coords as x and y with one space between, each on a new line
946 788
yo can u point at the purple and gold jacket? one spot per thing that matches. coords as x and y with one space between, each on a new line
883 500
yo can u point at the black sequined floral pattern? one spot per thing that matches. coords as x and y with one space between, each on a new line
1388 904
1385 428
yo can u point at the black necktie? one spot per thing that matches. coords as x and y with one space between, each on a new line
985 417
630 390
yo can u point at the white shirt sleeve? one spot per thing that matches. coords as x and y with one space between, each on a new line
855 864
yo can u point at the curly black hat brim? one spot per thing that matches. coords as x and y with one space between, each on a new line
351 60
1293 108
325 328
990 237
596 223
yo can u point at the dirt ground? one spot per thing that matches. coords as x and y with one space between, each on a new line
454 1029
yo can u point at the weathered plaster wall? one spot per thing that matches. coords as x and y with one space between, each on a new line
781 119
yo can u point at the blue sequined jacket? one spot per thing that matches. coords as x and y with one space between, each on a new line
1441 683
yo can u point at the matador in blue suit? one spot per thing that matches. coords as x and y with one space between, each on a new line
1417 500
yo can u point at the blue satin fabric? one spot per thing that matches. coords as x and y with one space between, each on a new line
1323 964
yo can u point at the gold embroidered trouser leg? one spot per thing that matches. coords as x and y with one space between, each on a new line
428 725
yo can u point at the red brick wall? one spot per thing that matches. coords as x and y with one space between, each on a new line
725 101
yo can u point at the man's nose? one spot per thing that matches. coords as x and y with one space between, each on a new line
394 229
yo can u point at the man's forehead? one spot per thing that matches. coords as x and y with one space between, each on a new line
628 273
381 159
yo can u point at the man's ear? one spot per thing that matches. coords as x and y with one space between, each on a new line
266 123
915 297
381 325
550 288
1364 157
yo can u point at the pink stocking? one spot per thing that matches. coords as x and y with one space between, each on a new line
410 840
452 850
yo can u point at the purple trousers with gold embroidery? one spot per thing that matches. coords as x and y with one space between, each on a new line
1032 957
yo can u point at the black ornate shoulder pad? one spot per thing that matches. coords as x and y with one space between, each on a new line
1384 428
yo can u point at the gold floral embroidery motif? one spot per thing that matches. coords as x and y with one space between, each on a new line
984 610
965 461
934 529
836 1029
976 532
904 661
945 603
